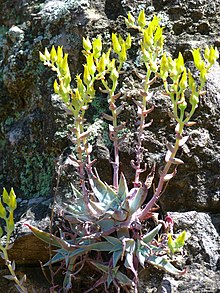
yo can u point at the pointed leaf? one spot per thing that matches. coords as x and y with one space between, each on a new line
116 256
46 237
168 155
98 207
142 19
100 246
180 240
138 200
167 177
129 264
102 191
164 264
99 266
183 140
113 240
176 161
122 188
58 257
107 225
23 279
13 265
123 279
150 235
9 277
107 117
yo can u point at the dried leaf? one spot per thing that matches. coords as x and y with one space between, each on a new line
137 103
9 277
139 111
146 112
148 124
13 265
150 178
119 127
107 117
170 147
141 76
170 176
111 128
23 279
176 161
168 155
148 95
183 140
115 97
177 128
103 90
120 109
190 123
71 161
84 134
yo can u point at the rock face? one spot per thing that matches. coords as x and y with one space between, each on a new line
33 129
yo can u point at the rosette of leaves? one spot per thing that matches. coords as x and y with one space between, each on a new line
8 204
109 222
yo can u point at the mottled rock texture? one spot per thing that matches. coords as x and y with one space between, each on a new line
33 130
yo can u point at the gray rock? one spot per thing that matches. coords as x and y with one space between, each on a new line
202 254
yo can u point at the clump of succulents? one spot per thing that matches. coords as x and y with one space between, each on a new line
111 219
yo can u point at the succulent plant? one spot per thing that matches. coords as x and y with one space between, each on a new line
110 222
112 219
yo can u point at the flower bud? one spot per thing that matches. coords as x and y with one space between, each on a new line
2 211
87 44
97 47
10 223
53 55
116 44
12 203
141 19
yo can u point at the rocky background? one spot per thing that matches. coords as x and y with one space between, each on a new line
33 132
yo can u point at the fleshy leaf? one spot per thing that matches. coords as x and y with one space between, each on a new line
122 278
164 264
116 256
102 191
122 188
46 237
150 235
10 277
138 200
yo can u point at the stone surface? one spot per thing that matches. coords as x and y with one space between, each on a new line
202 255
33 130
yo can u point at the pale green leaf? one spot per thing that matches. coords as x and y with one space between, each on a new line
164 264
151 235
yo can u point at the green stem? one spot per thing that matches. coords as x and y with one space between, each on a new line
141 129
112 108
8 264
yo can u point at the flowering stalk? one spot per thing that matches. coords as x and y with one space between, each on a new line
8 216
182 79
151 49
